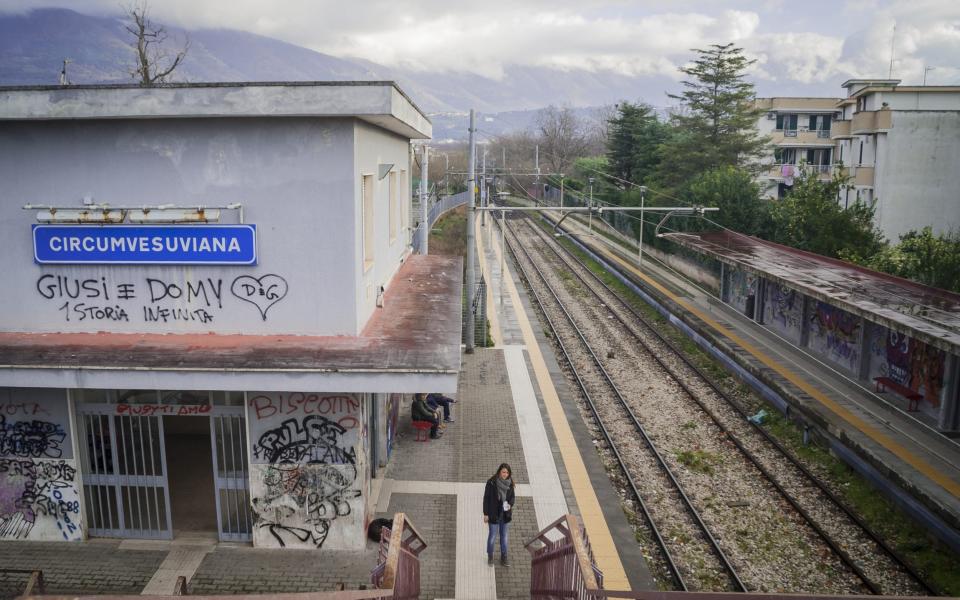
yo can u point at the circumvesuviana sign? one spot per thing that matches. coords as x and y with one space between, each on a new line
145 244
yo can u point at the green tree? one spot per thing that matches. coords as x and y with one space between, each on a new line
810 218
735 193
716 123
923 257
633 136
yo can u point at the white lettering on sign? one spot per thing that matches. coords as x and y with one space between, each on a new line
144 244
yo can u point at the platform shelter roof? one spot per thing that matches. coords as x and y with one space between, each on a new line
412 344
926 313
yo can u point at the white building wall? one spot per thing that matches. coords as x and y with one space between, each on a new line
373 148
915 182
292 176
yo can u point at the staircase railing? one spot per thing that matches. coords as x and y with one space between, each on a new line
562 563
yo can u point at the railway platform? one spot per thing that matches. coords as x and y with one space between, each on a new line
914 465
513 406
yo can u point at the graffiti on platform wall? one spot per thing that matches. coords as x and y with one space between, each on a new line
38 500
740 286
783 309
835 333
305 456
909 362
31 438
314 439
301 501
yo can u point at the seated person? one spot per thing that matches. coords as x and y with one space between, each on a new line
420 411
436 401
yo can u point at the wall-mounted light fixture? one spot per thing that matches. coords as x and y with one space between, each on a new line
106 214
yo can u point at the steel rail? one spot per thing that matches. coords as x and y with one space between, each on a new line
725 562
892 554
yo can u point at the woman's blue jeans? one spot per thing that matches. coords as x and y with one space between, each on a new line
504 529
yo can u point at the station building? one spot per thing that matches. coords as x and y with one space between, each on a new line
211 309
890 333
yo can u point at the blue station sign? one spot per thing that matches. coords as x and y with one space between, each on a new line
145 244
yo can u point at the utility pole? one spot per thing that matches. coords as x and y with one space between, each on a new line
561 190
536 163
483 190
643 192
424 199
471 242
590 218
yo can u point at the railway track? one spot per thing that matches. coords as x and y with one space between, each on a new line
807 521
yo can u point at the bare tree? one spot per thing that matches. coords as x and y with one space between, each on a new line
561 137
154 65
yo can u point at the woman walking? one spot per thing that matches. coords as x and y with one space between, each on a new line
498 500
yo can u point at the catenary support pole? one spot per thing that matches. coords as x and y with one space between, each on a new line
471 243
424 199
643 193
536 164
485 190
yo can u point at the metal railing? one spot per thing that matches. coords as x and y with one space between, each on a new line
397 575
446 204
399 563
562 563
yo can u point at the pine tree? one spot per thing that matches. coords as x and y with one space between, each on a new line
716 125
634 133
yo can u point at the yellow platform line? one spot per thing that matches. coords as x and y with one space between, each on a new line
870 431
601 541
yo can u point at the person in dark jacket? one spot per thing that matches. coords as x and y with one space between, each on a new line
498 500
420 411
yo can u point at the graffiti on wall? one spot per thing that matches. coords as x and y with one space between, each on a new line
31 438
305 451
909 362
740 286
301 501
783 309
154 300
835 333
38 494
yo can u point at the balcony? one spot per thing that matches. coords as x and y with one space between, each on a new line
775 171
841 130
801 137
863 176
871 121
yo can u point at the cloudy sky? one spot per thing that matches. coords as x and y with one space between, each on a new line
810 45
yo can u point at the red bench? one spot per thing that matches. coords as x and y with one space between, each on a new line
423 430
913 397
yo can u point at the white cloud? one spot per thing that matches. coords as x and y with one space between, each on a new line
635 37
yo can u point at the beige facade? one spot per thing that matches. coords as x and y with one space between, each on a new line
898 145
800 133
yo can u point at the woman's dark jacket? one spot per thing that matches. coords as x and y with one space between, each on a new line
493 506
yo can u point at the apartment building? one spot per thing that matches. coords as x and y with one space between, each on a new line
800 132
900 146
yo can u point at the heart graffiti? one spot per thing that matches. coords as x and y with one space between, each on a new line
263 292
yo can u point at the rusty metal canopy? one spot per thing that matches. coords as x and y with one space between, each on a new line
926 313
416 335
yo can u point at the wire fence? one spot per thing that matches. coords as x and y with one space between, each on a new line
446 204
